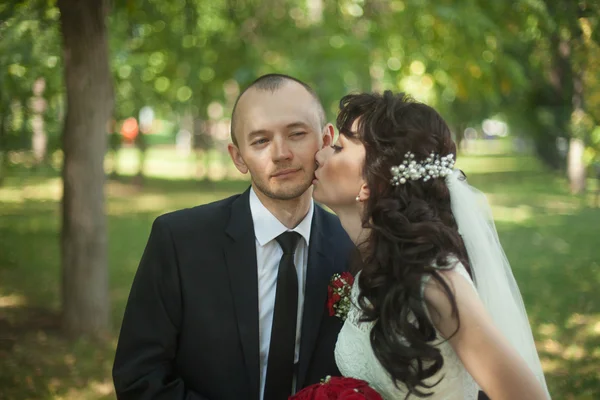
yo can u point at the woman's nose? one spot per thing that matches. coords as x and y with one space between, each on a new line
319 158
322 155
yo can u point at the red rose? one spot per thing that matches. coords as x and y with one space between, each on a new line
347 383
330 307
351 394
336 297
308 393
325 392
347 276
337 283
369 393
338 388
330 303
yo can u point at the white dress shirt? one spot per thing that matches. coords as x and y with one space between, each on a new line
268 255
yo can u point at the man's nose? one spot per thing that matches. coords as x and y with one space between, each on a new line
281 150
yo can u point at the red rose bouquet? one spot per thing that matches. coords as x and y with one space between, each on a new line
338 388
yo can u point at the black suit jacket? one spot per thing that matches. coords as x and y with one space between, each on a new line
190 329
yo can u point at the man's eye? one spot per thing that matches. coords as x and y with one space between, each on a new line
298 133
336 148
259 141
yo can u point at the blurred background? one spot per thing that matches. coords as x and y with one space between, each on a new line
112 113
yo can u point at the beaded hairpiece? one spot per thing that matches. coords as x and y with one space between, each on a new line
434 166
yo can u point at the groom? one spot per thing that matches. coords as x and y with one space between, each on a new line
229 300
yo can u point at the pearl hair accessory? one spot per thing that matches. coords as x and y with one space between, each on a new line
433 167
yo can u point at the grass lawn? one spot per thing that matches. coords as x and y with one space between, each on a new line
548 236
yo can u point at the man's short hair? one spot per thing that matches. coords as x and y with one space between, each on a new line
273 82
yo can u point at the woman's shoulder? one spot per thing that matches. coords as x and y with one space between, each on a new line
453 267
454 276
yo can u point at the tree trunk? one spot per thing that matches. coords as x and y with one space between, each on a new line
25 138
142 145
460 137
558 101
315 11
89 105
576 166
3 146
39 138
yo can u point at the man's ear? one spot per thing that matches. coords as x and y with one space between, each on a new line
364 192
328 135
237 159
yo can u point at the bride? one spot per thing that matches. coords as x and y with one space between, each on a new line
436 308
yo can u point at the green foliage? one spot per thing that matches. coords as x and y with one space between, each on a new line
556 41
29 49
471 59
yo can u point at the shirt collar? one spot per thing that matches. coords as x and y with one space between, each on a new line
271 227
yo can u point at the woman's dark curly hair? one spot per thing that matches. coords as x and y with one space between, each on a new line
411 229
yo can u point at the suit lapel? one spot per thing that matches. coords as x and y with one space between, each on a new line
240 256
319 270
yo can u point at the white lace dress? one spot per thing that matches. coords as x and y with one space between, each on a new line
355 358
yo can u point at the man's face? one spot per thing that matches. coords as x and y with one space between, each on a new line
278 135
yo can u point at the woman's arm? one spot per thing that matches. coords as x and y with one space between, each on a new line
484 351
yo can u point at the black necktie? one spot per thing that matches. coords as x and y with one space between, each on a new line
282 349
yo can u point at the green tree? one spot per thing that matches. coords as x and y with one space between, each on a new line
550 38
29 53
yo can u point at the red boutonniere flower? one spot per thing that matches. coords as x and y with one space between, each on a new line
338 301
338 388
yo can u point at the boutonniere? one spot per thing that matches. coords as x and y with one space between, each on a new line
338 301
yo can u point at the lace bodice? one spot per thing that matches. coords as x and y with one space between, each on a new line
355 358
